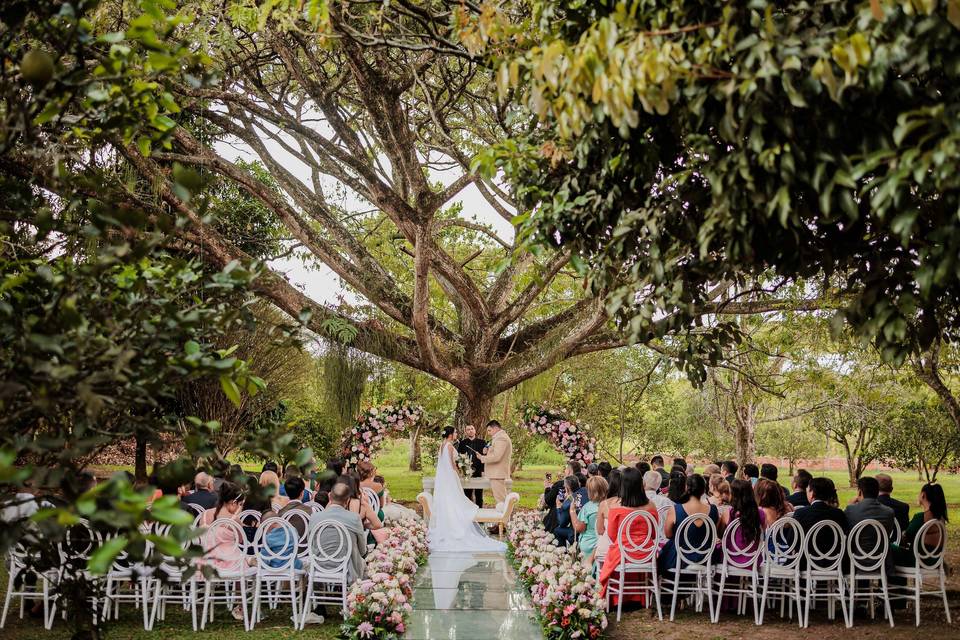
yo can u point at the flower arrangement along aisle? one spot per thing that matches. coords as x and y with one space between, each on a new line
565 594
373 426
570 438
378 605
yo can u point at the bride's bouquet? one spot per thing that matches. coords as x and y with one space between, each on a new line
464 465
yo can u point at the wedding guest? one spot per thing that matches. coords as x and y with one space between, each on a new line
633 498
656 463
367 471
553 490
603 511
338 510
770 472
651 483
822 495
203 494
220 548
358 504
270 465
771 501
605 469
867 506
801 480
221 469
711 470
271 482
690 505
751 472
933 506
690 469
295 488
743 503
643 468
593 469
328 477
291 471
677 487
576 497
680 462
585 522
901 510
729 470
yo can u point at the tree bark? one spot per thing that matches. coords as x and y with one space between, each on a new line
415 463
745 436
473 410
140 460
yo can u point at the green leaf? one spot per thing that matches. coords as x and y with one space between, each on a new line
170 515
101 559
230 389
191 348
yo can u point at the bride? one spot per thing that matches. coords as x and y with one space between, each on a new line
452 528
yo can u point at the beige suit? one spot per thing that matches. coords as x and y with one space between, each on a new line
497 463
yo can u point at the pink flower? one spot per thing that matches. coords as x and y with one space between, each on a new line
365 629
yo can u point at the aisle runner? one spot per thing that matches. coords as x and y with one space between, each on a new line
470 597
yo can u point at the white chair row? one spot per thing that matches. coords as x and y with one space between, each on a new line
231 571
787 564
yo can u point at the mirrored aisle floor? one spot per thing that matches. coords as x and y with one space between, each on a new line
470 597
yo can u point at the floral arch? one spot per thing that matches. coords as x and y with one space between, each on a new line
569 438
373 426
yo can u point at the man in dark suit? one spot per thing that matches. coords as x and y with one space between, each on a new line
901 510
728 469
770 472
471 445
656 463
801 480
203 495
822 495
866 507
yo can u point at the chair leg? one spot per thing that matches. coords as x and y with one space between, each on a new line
847 613
656 596
918 586
716 614
943 594
886 597
799 600
8 597
206 605
763 598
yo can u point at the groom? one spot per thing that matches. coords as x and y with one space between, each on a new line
497 460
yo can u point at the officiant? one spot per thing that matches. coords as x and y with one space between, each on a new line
471 445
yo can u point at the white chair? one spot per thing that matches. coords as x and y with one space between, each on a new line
694 559
250 518
316 507
499 516
372 498
897 534
123 571
781 566
276 563
823 551
171 581
928 564
21 563
638 557
330 550
743 563
80 540
426 504
662 518
300 520
195 508
867 546
225 542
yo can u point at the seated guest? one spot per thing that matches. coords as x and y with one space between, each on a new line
221 469
728 468
711 470
867 506
551 491
651 483
680 462
690 469
691 504
367 472
751 472
677 487
220 549
719 495
295 488
656 463
270 465
771 501
593 469
632 498
203 494
575 497
822 495
901 510
337 510
643 468
933 506
801 480
770 472
270 481
328 477
612 500
290 472
585 522
358 504
605 469
752 522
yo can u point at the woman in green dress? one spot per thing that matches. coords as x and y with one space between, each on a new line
934 507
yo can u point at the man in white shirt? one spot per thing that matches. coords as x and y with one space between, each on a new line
651 484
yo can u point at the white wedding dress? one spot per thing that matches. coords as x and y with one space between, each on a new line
452 528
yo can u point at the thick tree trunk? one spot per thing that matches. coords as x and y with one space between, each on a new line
140 461
414 460
745 436
475 411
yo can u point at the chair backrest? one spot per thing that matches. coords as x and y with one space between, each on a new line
736 552
372 498
784 544
195 508
79 541
662 515
330 548
276 506
225 542
513 499
250 518
897 533
638 538
275 545
300 520
824 546
868 545
695 539
316 507
930 556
